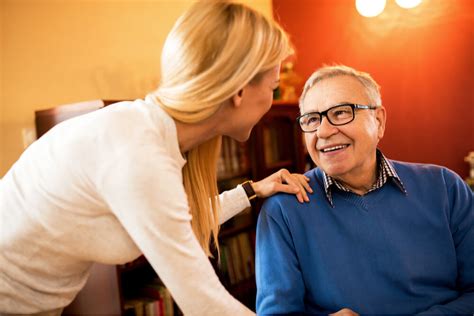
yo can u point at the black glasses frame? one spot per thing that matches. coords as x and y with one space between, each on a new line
325 113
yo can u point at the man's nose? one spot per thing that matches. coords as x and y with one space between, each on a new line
326 129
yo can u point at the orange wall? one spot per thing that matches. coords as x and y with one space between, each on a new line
422 58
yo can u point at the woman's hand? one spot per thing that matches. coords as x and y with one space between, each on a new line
283 181
345 312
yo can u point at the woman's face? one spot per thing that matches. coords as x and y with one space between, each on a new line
256 100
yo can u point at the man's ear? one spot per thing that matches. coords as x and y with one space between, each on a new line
237 98
381 117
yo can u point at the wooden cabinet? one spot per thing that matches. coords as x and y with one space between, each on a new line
275 143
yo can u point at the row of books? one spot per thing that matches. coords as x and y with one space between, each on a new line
154 300
271 145
237 258
234 159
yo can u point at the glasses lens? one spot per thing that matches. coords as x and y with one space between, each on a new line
310 122
342 114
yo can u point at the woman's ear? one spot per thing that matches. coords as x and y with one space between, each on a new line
237 98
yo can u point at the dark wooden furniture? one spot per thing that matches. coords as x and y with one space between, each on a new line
45 119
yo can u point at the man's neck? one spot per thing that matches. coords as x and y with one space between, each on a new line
363 181
358 188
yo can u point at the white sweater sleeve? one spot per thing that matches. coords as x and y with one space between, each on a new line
232 202
144 190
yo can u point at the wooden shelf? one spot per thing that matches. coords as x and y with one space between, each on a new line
230 176
243 287
229 232
280 164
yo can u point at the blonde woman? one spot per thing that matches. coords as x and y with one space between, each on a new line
140 177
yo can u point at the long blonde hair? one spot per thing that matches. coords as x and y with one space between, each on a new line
213 51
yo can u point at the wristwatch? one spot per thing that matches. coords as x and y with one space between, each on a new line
247 185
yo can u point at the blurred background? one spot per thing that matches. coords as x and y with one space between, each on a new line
56 52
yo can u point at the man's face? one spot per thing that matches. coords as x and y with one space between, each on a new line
356 141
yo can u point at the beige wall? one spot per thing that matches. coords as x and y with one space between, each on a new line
62 51
2 132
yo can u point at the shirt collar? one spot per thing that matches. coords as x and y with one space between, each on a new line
385 171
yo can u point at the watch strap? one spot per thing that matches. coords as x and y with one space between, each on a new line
247 186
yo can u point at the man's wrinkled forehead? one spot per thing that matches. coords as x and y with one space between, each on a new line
333 91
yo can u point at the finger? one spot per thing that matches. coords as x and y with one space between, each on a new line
302 190
301 198
298 190
345 311
304 194
304 182
294 181
281 187
303 185
290 180
286 188
284 174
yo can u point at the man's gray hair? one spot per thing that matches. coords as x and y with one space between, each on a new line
372 88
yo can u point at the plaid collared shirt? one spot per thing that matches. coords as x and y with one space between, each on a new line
384 170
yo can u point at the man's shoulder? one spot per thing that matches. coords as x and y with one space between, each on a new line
424 172
279 201
283 203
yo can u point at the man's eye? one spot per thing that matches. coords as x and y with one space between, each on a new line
313 120
341 112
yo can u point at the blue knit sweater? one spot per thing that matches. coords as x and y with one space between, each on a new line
384 252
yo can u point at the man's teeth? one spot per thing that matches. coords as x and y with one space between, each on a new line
333 148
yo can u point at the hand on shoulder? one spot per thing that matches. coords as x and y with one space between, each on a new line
283 181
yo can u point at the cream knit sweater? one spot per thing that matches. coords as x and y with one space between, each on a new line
104 187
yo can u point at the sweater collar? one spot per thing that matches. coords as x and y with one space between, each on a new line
385 171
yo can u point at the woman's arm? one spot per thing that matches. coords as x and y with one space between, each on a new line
144 191
234 201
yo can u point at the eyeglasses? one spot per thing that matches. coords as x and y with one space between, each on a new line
338 115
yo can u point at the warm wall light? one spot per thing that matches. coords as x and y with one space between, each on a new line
370 8
408 4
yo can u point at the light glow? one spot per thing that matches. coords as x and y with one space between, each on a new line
408 4
370 8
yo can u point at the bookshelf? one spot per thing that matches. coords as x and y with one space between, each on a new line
275 142
134 288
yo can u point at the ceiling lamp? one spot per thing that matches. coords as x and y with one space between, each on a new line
370 8
408 4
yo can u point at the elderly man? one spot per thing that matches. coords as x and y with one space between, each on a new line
378 236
